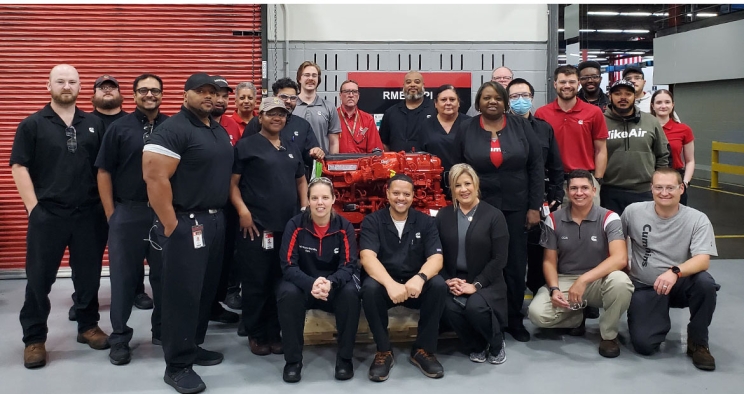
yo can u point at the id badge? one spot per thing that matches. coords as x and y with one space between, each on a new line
197 233
545 210
267 243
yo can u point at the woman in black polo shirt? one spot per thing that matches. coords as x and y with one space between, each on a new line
268 187
505 152
475 242
319 262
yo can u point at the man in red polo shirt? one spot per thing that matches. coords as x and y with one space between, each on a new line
220 106
359 132
579 127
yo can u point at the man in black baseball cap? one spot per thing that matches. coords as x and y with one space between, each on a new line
590 78
107 99
642 98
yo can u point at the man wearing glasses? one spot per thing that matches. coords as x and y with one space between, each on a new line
502 75
359 132
52 165
642 98
320 113
590 77
671 247
124 197
585 255
107 99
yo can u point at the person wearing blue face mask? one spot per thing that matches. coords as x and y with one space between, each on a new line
521 93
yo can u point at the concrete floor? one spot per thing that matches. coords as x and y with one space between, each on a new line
549 363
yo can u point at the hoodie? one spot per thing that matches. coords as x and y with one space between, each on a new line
601 102
636 147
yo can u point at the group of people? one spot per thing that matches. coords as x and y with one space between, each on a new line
214 203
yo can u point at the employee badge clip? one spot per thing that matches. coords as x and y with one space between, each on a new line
267 243
197 233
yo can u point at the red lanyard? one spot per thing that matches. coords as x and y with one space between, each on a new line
353 129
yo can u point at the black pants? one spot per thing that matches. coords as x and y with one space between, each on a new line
683 197
293 303
535 276
648 314
129 233
84 233
189 281
516 264
228 256
476 325
376 302
261 271
617 200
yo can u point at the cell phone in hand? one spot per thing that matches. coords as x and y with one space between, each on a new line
462 301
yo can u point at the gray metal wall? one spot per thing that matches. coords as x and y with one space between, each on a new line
527 60
714 112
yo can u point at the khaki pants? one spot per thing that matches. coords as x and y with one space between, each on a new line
612 293
595 200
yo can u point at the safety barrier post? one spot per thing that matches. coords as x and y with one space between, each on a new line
716 167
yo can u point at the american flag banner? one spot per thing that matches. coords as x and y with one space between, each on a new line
619 62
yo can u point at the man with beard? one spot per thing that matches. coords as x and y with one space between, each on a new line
52 165
124 197
579 127
590 76
107 100
401 123
186 165
636 146
358 129
642 98
320 113
221 103
503 76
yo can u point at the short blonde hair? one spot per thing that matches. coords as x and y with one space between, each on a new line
462 169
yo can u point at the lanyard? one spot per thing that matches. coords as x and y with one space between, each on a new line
352 129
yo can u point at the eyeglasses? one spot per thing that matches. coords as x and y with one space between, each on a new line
321 179
276 114
108 88
148 131
590 77
350 92
307 75
507 78
154 91
662 188
577 306
287 97
634 78
72 145
516 96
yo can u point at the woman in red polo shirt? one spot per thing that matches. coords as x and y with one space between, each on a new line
681 140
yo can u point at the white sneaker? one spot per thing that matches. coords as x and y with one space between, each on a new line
500 358
478 357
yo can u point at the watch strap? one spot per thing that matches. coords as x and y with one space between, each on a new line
423 276
552 289
478 285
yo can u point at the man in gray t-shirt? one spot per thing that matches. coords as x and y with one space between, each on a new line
671 247
585 253
321 114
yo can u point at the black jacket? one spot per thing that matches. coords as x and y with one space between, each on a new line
305 256
551 160
518 184
487 245
602 102
401 128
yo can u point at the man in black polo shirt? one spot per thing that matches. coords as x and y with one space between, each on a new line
402 255
107 100
186 165
297 130
124 197
52 164
402 122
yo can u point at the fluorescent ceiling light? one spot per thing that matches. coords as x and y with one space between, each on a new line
561 30
635 14
600 59
586 30
636 53
595 52
609 31
642 31
660 14
704 14
591 56
603 13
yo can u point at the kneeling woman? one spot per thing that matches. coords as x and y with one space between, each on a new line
319 259
475 241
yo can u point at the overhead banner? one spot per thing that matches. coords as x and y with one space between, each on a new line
379 91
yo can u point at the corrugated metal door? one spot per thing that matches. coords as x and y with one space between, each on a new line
171 41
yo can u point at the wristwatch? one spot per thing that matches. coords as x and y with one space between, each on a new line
552 289
676 271
423 276
478 286
600 181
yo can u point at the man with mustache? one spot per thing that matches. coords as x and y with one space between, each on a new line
320 113
636 146
359 132
402 122
590 76
52 165
107 100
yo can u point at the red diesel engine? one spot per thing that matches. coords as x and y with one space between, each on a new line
359 181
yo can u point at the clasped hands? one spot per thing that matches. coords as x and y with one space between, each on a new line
321 288
460 287
399 292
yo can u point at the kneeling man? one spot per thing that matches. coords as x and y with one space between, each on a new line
671 247
585 253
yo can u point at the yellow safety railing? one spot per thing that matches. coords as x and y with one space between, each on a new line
716 167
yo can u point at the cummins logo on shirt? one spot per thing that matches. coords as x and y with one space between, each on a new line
613 134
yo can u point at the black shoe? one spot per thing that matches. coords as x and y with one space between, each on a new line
206 357
222 315
185 381
292 372
580 330
120 354
234 301
427 363
143 301
591 312
380 368
344 369
519 333
72 315
242 332
157 341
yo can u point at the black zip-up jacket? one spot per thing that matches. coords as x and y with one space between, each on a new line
551 160
602 102
305 256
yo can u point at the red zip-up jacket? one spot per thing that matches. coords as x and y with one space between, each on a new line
305 256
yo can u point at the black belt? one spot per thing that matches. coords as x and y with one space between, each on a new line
198 211
131 203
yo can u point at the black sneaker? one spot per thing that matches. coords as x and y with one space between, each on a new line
222 315
292 372
580 330
157 341
344 369
591 312
206 357
234 301
72 315
518 332
427 363
380 368
185 381
120 354
143 301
